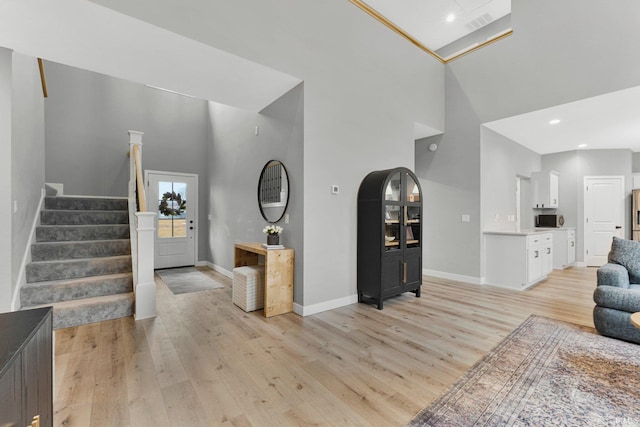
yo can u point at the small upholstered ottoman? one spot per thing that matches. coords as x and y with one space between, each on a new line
248 287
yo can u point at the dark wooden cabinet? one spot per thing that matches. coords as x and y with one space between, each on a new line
26 368
389 235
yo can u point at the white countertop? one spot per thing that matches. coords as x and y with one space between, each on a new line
523 232
527 231
554 228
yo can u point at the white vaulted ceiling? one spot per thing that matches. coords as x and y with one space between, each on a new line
427 20
88 36
601 122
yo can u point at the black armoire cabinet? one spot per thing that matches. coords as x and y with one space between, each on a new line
26 368
389 235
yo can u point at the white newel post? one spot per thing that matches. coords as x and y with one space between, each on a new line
145 290
142 240
135 138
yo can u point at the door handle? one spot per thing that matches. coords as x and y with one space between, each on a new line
618 227
404 274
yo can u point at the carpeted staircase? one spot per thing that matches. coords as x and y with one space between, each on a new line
81 261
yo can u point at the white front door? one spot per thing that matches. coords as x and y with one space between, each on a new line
603 216
174 196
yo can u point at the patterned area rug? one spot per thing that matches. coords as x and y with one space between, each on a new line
187 279
545 373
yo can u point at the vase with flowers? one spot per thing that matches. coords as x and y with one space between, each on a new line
273 234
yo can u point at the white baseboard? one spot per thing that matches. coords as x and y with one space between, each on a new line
580 264
456 277
217 268
308 310
26 257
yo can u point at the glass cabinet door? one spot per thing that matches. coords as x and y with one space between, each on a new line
392 220
413 230
412 220
392 191
402 213
412 191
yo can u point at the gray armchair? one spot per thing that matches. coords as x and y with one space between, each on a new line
617 295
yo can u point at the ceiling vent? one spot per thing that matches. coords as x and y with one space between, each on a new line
479 22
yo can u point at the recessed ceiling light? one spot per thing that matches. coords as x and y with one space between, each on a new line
554 121
451 17
582 145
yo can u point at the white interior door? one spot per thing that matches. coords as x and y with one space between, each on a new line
603 216
175 198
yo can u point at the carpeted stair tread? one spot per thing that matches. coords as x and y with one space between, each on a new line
91 310
48 292
85 203
81 261
40 271
83 217
53 233
47 251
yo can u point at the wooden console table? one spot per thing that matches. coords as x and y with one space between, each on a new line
278 275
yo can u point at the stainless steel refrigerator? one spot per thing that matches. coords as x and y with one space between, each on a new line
635 215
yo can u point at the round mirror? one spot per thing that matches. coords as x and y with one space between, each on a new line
273 191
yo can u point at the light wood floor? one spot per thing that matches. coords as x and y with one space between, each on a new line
205 362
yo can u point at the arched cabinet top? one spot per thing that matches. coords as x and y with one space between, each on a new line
399 185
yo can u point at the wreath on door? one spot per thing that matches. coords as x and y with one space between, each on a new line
172 204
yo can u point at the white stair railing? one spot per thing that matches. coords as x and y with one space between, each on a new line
142 229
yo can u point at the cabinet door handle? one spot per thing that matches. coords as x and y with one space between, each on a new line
537 254
573 244
404 272
548 251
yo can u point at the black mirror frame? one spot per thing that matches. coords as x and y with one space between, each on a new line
286 205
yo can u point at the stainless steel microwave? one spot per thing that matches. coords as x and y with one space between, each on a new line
553 221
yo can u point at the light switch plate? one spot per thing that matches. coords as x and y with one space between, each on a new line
466 218
335 189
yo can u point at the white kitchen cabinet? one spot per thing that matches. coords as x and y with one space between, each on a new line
547 251
565 248
534 263
517 260
545 189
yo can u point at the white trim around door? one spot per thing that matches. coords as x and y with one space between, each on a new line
604 212
176 236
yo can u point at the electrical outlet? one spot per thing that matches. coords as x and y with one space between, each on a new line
466 218
286 218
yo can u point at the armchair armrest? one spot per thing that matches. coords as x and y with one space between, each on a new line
613 275
617 298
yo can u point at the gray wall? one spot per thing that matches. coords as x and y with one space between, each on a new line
636 162
450 180
501 161
6 252
87 119
236 158
27 155
573 167
364 88
544 63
